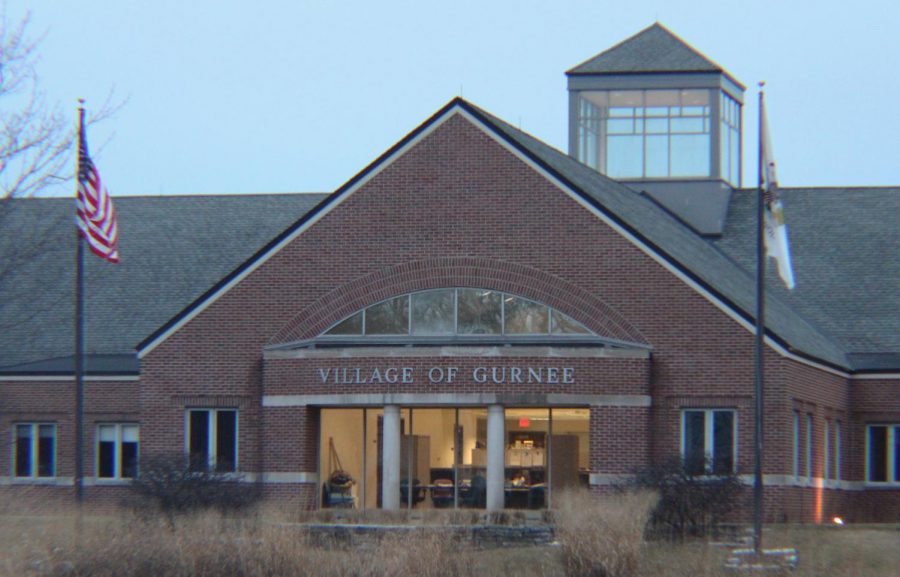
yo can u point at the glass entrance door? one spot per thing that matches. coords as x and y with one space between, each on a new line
443 456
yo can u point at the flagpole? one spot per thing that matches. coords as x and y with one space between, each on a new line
760 336
79 332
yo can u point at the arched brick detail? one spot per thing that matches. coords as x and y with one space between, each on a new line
459 272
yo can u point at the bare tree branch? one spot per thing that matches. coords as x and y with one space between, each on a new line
37 152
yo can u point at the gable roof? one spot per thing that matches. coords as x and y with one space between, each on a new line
699 261
173 248
653 49
183 252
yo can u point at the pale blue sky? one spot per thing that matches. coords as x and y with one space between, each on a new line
269 96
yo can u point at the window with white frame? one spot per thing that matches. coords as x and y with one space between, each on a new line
212 439
796 456
35 450
648 133
730 139
709 441
117 451
809 445
883 453
826 450
837 451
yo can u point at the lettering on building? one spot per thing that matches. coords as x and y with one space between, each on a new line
549 375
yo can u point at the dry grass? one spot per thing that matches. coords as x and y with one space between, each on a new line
209 545
683 559
824 551
602 536
858 551
607 543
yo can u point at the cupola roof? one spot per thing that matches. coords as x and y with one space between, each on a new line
653 50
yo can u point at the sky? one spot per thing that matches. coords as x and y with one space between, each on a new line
230 96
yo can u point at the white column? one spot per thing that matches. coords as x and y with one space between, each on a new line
496 458
390 464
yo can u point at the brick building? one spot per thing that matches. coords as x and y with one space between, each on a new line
476 319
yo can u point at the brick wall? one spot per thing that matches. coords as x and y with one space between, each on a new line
53 401
457 209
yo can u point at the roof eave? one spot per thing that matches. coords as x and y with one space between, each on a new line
632 73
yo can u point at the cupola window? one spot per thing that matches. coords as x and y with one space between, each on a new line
730 140
645 133
654 111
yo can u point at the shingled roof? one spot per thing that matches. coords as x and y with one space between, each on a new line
844 243
654 49
844 246
699 258
173 249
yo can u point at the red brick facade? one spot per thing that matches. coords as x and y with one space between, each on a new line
458 209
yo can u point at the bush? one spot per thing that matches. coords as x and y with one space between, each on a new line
171 484
690 504
601 536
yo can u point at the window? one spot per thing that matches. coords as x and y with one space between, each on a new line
826 451
837 451
730 140
646 133
117 451
480 312
708 441
883 453
809 445
212 439
796 459
465 312
35 451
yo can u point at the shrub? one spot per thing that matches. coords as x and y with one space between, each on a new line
690 504
171 484
601 536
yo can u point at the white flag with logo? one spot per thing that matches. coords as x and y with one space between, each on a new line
776 230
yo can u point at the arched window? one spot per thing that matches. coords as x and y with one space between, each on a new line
457 312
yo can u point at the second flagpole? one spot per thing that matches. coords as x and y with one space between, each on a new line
760 338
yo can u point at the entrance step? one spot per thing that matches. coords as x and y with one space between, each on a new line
480 535
771 561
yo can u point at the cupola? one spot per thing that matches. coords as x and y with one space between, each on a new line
656 114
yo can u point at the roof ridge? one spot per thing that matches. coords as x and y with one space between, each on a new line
117 198
833 187
688 45
617 59
613 47
217 195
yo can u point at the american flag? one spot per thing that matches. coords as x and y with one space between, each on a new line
96 216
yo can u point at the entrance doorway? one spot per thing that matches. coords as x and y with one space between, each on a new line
442 456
